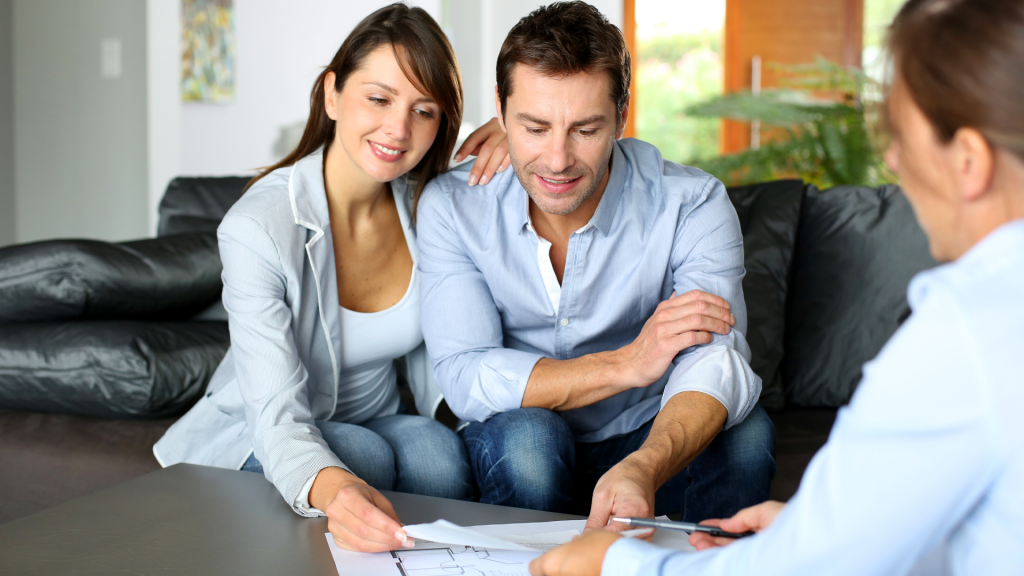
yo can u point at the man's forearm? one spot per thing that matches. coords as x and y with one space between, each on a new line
567 384
682 430
677 324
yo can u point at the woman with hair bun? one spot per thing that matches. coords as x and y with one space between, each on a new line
923 472
322 294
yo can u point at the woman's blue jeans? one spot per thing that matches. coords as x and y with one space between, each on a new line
403 453
527 458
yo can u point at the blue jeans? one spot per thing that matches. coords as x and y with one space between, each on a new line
403 453
527 458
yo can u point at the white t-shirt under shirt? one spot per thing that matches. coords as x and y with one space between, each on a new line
370 342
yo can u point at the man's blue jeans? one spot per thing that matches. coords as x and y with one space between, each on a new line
527 458
403 453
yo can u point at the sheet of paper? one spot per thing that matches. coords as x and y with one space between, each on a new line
442 559
665 538
445 531
433 559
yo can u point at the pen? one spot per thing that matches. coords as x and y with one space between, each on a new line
687 527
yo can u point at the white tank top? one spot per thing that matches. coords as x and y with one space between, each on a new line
370 342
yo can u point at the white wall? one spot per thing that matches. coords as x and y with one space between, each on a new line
163 100
280 52
80 140
8 234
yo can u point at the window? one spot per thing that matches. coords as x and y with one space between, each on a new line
678 62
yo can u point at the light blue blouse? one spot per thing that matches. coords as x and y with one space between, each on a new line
924 470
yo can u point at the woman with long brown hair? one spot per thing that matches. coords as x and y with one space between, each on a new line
322 294
924 471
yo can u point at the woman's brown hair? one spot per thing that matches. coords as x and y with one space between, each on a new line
963 63
428 61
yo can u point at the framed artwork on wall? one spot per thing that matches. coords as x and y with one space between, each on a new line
208 51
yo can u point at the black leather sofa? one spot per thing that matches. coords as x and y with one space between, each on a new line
101 346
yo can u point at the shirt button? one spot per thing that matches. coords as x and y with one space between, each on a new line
565 322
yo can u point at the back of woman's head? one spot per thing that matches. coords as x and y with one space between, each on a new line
426 58
963 64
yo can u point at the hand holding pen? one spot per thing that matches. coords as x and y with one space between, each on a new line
688 527
755 518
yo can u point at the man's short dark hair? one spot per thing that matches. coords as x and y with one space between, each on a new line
566 38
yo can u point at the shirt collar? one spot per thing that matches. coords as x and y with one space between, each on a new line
1001 247
605 213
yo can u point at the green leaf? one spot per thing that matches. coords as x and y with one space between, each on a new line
778 108
822 75
822 142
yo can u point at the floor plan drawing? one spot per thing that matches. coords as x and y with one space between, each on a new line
473 554
455 560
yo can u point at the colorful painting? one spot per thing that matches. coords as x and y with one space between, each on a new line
208 51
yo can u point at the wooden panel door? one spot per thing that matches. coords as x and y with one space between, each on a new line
786 32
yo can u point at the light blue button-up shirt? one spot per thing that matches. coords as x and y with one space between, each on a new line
924 470
489 315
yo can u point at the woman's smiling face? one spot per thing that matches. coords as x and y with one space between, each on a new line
383 123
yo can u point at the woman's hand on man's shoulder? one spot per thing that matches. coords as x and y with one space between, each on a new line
490 146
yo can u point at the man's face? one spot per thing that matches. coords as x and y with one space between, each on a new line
561 133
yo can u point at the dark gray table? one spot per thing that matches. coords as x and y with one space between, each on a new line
189 519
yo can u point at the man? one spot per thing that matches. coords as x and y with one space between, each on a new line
922 472
585 314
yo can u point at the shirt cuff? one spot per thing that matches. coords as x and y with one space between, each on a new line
632 557
500 382
301 502
720 372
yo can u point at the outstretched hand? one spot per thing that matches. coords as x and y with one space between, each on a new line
626 490
490 146
358 516
755 518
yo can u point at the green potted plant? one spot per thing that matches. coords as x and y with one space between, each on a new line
823 142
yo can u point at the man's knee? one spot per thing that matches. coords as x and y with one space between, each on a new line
532 429
522 458
749 447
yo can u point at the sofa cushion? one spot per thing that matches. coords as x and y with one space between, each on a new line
198 204
856 251
108 368
164 278
769 214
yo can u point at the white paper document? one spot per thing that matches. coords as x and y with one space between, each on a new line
501 537
492 550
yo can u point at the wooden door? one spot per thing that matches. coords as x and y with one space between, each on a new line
786 32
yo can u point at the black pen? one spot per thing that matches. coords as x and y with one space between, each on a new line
688 527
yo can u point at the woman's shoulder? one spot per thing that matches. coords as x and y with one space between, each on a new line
267 193
266 203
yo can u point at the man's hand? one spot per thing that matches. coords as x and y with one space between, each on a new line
359 517
625 490
489 144
581 557
677 323
755 518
